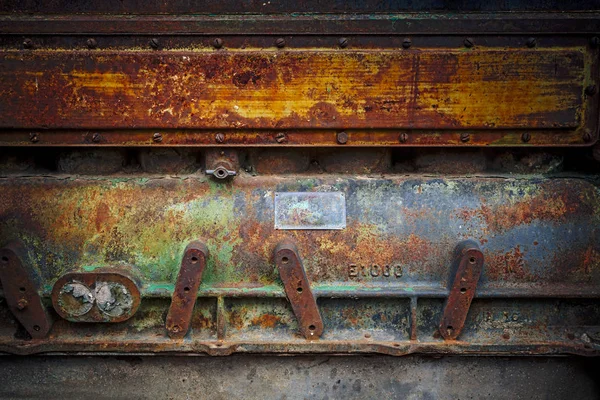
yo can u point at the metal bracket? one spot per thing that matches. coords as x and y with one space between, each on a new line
297 290
21 292
468 264
186 289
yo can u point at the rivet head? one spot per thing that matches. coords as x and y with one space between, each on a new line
154 43
217 43
465 137
219 138
343 42
526 137
531 42
468 42
342 137
280 137
406 43
403 138
157 137
591 90
280 42
91 43
28 43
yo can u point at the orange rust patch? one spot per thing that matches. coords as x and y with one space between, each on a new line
266 321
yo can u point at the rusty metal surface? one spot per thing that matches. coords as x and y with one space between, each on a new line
297 290
380 283
100 296
20 288
255 90
468 266
186 289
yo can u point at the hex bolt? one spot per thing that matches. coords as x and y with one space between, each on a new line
217 43
465 137
406 43
587 136
33 137
342 137
154 43
526 137
591 90
22 304
91 43
280 42
219 138
595 41
531 42
468 42
28 43
280 137
343 42
403 137
157 137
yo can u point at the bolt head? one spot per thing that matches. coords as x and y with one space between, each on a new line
154 43
531 42
217 43
468 42
406 43
465 137
591 90
342 137
157 137
91 43
280 42
343 42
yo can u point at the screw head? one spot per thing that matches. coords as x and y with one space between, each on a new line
33 137
465 137
219 138
28 43
217 43
96 137
157 137
280 137
280 42
342 137
91 43
406 43
595 41
343 42
526 137
403 137
531 42
22 304
468 42
591 90
154 43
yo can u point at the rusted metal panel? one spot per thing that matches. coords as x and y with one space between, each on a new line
322 89
380 283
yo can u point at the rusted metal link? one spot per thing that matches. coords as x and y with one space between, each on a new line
21 292
468 264
99 296
186 289
297 290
